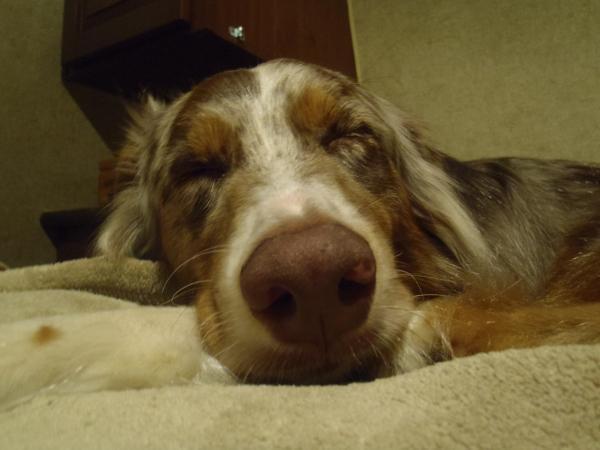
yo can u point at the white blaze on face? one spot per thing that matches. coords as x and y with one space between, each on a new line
289 196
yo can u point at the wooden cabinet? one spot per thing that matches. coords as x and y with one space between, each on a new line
162 46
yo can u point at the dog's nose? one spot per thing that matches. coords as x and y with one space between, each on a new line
312 285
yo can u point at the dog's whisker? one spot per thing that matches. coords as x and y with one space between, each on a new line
180 299
225 350
427 277
182 293
205 252
405 273
188 286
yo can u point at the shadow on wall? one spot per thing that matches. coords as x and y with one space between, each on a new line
50 150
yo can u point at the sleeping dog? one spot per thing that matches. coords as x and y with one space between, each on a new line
323 240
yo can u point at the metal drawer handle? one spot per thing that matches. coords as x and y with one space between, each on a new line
237 32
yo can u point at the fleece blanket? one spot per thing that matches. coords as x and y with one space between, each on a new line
547 397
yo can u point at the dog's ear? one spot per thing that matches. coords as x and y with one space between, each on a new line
129 229
434 192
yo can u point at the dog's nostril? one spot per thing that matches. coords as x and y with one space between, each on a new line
363 272
282 304
358 283
350 292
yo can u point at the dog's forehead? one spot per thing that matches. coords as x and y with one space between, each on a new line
262 109
223 88
267 90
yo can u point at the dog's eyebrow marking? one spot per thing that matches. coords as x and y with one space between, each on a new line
315 108
210 135
204 121
45 334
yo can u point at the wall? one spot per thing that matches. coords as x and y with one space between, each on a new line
49 152
489 78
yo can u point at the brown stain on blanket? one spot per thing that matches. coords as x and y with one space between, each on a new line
45 334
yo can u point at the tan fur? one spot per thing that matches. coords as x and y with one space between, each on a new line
314 109
470 325
567 312
212 137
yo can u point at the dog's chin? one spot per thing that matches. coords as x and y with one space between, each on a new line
355 359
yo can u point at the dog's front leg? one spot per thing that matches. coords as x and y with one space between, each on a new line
121 349
472 323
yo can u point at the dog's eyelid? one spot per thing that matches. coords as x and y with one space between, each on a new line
212 169
191 167
362 130
357 131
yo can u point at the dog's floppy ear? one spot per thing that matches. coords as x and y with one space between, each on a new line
129 229
434 193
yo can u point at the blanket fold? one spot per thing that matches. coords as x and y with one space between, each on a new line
129 279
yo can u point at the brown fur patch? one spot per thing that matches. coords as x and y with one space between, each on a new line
315 109
211 137
45 334
476 322
218 89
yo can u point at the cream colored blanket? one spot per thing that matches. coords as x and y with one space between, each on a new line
542 398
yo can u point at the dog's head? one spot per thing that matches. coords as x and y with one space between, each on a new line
306 211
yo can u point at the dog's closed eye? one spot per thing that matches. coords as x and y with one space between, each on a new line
340 131
189 168
352 147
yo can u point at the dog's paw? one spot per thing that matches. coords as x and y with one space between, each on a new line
424 341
